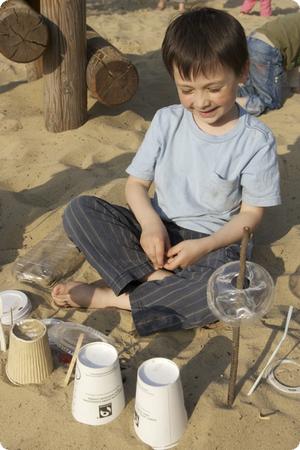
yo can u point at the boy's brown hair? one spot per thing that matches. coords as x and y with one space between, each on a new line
202 40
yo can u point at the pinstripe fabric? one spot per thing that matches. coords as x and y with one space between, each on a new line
109 236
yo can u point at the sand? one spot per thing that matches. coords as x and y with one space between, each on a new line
41 171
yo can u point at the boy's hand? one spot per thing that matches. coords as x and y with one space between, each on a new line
187 253
155 243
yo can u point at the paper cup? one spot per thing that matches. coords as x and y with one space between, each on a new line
15 305
29 356
98 396
160 416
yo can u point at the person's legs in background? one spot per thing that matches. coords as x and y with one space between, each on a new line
247 6
294 79
264 89
181 6
265 8
161 5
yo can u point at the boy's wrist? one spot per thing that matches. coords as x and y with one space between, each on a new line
210 243
150 221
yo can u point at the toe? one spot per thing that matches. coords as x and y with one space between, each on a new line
57 290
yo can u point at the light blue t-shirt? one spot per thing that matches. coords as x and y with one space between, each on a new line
201 179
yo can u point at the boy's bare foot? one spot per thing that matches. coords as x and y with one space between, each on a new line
159 274
213 325
97 295
76 294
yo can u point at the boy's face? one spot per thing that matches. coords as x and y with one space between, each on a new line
210 98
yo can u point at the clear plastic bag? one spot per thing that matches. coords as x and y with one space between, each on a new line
52 259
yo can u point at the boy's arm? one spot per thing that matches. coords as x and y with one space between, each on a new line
231 232
136 193
188 252
154 238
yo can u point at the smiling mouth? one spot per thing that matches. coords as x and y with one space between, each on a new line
207 111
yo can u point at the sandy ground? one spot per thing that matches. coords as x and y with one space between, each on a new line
40 172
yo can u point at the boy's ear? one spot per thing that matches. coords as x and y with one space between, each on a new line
245 72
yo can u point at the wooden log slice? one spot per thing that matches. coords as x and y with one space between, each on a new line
23 32
111 77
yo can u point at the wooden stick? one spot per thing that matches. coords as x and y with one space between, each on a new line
73 360
236 330
3 347
11 317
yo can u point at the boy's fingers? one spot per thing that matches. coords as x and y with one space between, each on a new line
168 244
151 255
171 264
160 256
172 251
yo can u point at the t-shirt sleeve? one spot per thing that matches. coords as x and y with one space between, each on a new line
143 163
260 179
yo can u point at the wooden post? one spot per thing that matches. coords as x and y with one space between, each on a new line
65 93
23 32
110 76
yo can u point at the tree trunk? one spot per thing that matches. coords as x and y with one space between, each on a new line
65 94
110 76
23 32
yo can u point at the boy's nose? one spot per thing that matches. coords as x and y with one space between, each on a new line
201 102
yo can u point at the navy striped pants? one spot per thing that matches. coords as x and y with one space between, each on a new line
109 236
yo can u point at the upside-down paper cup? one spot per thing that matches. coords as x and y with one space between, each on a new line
29 356
98 396
160 416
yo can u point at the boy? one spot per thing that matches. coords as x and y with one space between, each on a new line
274 53
214 168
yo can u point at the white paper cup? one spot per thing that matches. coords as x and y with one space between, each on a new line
98 396
15 305
160 416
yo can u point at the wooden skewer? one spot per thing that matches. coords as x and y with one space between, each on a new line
236 330
73 360
3 347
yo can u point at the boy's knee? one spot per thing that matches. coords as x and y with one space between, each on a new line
76 207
